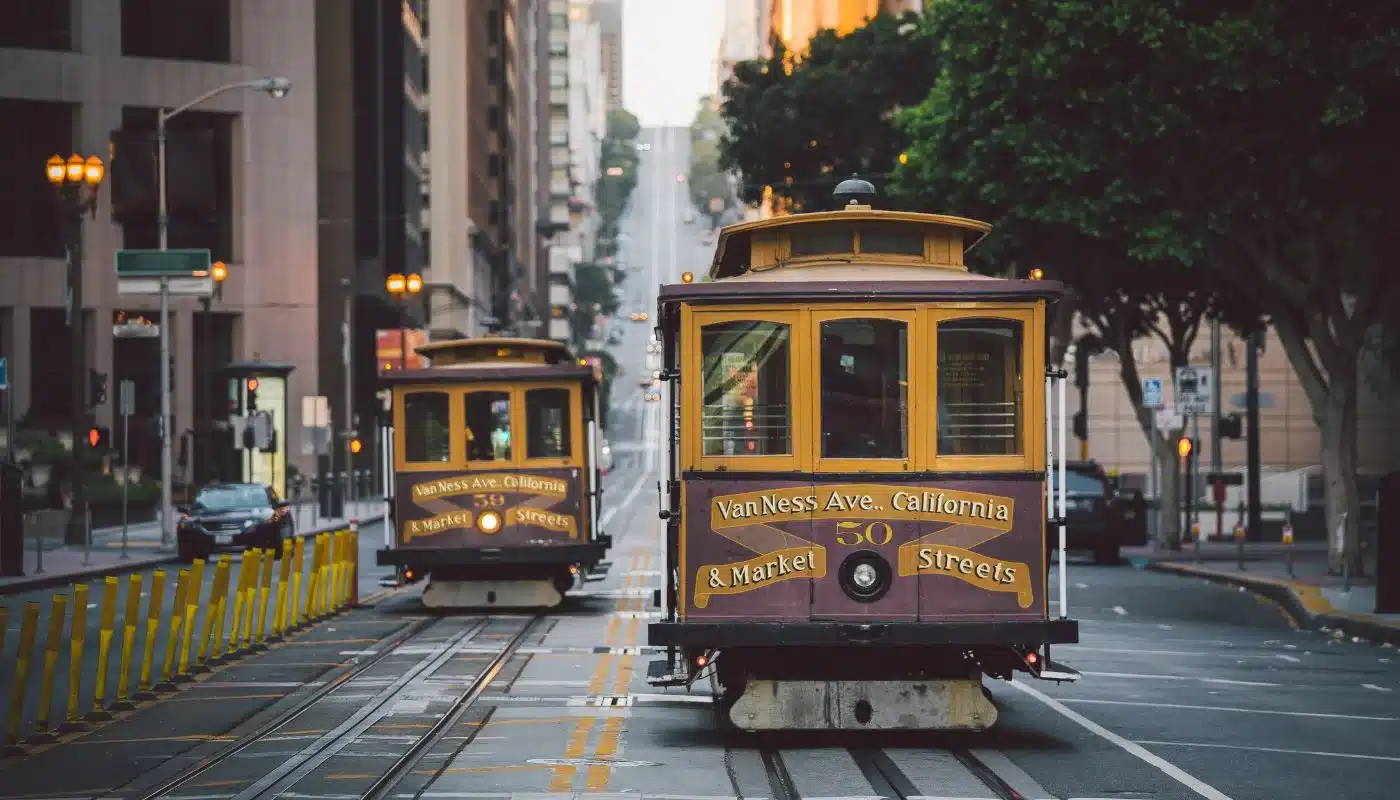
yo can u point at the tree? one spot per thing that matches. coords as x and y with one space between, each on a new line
1245 142
617 175
800 125
969 155
623 125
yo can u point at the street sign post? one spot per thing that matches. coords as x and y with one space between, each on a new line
1169 418
1194 390
126 406
1152 393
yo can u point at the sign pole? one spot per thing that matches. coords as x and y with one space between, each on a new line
127 399
9 410
166 507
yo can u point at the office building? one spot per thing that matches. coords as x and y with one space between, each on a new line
243 185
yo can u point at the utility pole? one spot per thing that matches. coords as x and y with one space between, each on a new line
1215 455
345 360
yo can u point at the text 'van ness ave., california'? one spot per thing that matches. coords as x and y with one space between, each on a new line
490 482
868 500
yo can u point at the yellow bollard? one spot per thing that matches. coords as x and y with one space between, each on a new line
354 590
324 580
172 642
129 619
294 617
265 589
333 601
28 631
344 568
106 626
193 590
148 647
279 613
58 610
239 593
253 558
77 639
311 584
214 615
224 578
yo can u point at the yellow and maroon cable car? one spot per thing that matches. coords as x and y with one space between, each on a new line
858 501
496 473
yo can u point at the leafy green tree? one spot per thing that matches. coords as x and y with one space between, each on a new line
802 125
623 125
1247 142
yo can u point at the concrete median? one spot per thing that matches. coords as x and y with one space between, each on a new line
210 622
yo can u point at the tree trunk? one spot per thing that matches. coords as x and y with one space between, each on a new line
1339 446
1168 494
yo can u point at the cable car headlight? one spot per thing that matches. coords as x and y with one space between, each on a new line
490 522
865 576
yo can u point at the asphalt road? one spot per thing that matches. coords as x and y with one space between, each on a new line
1189 689
371 538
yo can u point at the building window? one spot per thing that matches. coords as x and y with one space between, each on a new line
547 431
493 165
493 117
199 181
488 426
979 387
31 132
36 24
427 428
746 372
177 30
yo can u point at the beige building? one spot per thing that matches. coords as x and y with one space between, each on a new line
795 22
73 73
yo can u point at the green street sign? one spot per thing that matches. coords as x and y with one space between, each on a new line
162 263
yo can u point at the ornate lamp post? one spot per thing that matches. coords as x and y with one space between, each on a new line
204 445
76 181
403 290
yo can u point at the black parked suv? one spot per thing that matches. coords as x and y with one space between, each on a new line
1098 519
233 516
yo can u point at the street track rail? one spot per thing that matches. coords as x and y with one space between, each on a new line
298 767
885 777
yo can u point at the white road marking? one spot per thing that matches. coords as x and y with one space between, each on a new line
1120 611
1171 770
1135 651
1374 687
1274 750
1081 586
1290 659
1317 714
1137 676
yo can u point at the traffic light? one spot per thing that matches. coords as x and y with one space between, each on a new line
1184 447
1081 426
1230 426
355 446
97 388
252 404
1081 365
98 437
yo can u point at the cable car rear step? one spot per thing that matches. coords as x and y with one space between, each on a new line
663 672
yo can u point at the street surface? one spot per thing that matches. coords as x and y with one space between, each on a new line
1190 689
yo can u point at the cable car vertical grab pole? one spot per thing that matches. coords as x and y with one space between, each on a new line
1055 501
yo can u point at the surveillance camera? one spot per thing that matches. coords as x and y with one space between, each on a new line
278 93
276 87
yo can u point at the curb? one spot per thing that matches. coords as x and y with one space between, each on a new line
135 565
1303 602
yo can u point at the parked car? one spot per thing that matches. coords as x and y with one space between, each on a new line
233 517
1099 520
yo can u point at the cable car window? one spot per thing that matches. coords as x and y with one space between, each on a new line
821 240
746 410
427 428
865 388
900 240
488 426
547 433
979 387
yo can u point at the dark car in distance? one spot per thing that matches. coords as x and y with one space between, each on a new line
1099 520
233 516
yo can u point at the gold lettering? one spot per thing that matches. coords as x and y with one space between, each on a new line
756 573
872 501
453 520
982 571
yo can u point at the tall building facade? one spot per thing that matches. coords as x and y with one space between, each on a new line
71 73
795 22
608 14
485 167
370 61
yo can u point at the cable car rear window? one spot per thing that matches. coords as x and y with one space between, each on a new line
899 240
746 410
822 240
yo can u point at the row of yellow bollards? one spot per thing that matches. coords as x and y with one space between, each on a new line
330 587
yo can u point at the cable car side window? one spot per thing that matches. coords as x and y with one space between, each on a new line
427 428
488 426
864 388
745 409
547 431
980 397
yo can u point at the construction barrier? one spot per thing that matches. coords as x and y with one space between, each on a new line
268 604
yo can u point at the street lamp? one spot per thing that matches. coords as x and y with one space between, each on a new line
204 447
403 289
277 88
76 181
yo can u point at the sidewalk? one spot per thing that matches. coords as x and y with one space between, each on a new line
64 564
1314 598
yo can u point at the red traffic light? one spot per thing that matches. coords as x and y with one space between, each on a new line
94 436
252 384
